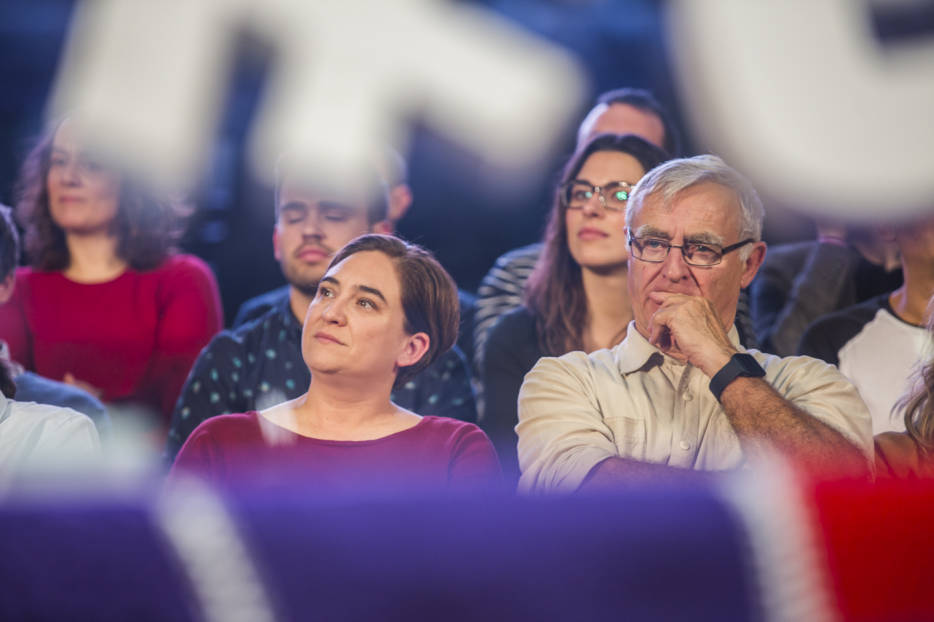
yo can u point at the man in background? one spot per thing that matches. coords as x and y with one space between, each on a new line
259 363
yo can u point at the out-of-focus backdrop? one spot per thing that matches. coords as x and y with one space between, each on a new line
458 212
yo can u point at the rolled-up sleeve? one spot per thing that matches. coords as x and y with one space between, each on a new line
562 433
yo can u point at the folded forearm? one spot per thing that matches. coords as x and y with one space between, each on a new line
762 417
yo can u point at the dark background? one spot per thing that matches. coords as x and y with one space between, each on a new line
465 222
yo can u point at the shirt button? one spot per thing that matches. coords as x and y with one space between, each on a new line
688 396
684 445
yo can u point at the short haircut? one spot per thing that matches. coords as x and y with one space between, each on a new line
643 100
678 175
377 209
148 227
9 243
429 295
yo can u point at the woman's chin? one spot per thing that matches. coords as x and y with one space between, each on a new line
86 229
604 266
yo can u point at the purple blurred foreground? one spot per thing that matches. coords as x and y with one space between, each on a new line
662 553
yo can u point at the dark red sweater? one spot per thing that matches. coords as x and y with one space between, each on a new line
436 454
135 337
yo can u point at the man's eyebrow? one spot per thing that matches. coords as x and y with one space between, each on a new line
293 206
650 231
329 279
336 205
704 238
372 290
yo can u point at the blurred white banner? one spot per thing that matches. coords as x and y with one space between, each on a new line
148 78
802 97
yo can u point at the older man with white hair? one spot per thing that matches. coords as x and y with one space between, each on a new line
681 392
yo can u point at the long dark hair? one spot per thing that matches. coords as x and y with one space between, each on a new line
555 291
147 227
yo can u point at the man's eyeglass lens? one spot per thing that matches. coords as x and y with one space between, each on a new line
655 250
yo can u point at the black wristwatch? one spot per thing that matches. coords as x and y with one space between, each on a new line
738 365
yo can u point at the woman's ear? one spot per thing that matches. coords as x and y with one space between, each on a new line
414 349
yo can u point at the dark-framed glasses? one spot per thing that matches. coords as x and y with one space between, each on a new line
613 196
702 254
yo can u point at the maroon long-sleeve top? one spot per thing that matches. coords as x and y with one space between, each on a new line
437 454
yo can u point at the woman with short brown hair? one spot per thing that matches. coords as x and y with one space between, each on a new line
384 310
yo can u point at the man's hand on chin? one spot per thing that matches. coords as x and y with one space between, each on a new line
689 329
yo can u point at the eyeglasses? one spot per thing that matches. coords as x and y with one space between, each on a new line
702 254
613 196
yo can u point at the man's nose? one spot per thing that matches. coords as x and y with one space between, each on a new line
311 224
674 266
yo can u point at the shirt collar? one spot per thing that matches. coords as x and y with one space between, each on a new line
635 352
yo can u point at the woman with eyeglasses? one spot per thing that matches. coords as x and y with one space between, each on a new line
577 297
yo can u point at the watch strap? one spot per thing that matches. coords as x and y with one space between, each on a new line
740 364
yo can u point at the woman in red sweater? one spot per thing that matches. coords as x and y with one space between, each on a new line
384 310
106 304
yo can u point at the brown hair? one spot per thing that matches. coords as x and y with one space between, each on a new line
429 295
555 291
147 227
919 404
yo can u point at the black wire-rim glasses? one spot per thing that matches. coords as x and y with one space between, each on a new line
701 254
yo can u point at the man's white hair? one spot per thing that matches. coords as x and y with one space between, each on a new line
674 176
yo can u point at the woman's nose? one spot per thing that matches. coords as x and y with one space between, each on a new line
71 174
334 312
594 205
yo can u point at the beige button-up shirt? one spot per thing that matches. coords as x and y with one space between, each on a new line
632 401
